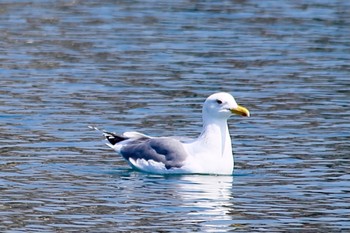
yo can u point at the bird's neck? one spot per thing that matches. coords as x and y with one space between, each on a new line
215 134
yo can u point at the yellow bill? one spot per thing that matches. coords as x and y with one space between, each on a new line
240 110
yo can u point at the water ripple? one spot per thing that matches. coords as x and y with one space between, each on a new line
121 66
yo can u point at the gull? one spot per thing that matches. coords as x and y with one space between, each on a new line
210 153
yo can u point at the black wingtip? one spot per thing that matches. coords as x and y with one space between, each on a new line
113 138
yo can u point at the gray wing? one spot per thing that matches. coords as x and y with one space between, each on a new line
168 151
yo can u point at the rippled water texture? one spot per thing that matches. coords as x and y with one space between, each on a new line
148 66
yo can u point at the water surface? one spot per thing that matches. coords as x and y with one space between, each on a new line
141 66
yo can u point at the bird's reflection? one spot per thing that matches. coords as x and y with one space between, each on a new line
209 197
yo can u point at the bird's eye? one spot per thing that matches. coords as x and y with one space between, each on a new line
218 101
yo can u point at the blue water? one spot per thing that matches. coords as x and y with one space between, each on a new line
148 66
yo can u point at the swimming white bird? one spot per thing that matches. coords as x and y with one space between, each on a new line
210 153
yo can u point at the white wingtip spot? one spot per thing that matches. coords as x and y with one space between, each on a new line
94 128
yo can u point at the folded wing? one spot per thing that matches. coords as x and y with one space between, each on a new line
168 151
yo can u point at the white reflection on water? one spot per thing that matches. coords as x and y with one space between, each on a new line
211 197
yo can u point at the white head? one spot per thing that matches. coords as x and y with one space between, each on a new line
221 106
